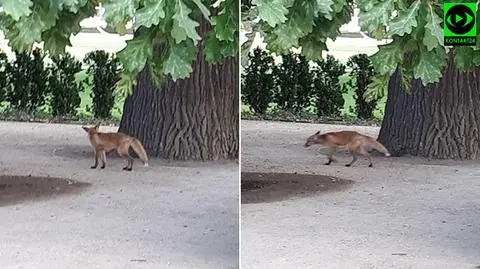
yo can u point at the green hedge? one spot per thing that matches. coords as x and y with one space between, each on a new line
29 84
297 86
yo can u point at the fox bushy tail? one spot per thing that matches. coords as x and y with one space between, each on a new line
138 148
378 146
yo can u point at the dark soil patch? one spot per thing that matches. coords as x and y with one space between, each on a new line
271 187
16 189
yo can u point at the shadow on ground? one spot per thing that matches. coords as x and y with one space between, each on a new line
17 189
272 187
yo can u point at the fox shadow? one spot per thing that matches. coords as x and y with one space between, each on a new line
83 152
343 151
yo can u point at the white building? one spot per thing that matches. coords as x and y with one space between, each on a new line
350 42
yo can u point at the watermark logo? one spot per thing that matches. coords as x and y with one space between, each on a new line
460 23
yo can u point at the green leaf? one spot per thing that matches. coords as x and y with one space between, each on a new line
463 58
376 89
47 12
178 34
285 37
271 11
339 5
228 49
211 48
224 28
183 26
433 31
55 42
137 52
466 58
325 7
377 16
150 14
366 5
68 24
29 31
405 22
387 58
407 79
430 65
119 12
476 58
302 17
70 5
179 60
205 11
125 84
226 22
313 49
156 72
17 8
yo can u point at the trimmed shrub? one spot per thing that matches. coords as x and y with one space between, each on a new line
27 81
104 69
4 82
362 71
64 89
294 83
258 81
328 91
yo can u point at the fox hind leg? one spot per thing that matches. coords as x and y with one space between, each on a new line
331 151
352 149
123 151
96 160
365 153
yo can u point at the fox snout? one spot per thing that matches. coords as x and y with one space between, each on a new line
309 142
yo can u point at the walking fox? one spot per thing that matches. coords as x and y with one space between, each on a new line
354 141
102 142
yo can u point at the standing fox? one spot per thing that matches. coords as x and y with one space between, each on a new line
102 142
354 141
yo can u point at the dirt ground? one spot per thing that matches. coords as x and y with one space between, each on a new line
167 215
16 189
402 213
270 187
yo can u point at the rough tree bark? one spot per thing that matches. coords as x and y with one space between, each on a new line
440 121
192 119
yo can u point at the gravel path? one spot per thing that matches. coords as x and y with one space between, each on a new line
402 213
168 215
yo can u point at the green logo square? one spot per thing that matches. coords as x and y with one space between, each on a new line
460 23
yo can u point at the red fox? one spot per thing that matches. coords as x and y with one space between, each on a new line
102 142
354 141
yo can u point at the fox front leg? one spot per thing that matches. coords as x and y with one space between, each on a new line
104 159
352 152
96 160
330 156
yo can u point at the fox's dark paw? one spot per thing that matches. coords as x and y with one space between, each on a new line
127 169
93 167
370 165
102 167
327 163
348 165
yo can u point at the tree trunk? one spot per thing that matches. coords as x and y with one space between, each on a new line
191 119
440 121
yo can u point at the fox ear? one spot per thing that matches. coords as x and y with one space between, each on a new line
85 128
97 125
